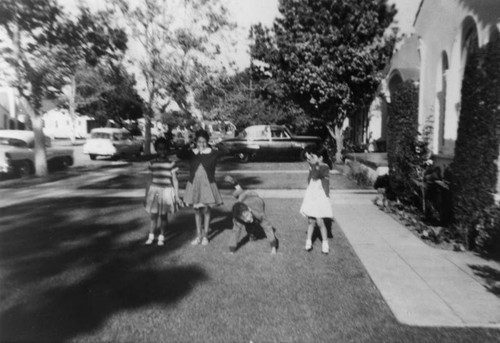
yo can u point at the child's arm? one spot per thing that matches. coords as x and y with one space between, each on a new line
325 179
175 183
149 180
309 175
221 149
238 189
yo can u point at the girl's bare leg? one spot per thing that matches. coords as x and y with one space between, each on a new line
324 236
152 227
162 223
197 218
206 220
310 230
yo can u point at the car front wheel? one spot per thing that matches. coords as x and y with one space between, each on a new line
24 169
303 156
243 157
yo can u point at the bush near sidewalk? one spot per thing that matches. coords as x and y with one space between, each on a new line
474 168
406 154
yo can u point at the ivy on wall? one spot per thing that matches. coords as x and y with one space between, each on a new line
474 168
405 152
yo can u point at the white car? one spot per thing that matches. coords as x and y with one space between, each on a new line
17 153
111 142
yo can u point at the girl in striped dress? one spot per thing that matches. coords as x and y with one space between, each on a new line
162 192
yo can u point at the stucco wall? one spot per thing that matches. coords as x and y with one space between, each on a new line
440 26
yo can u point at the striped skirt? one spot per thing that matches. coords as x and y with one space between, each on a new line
161 200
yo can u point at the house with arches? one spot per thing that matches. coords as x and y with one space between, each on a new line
445 33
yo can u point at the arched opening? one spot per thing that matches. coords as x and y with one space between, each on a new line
465 44
494 35
441 99
395 81
470 42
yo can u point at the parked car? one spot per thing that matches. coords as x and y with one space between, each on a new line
112 142
17 153
220 130
270 142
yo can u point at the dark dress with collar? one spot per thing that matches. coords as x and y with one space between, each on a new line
201 189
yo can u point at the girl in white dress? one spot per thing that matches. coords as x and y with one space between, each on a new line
316 205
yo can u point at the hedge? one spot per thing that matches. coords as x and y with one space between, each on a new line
474 167
405 153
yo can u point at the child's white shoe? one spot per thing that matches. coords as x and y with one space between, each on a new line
309 245
150 240
161 240
273 251
204 241
325 249
196 241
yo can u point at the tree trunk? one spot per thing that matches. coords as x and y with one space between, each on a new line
191 107
336 133
147 133
72 101
41 168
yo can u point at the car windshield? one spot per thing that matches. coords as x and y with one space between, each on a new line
13 142
104 135
279 133
256 133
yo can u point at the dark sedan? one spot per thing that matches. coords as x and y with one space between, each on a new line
268 142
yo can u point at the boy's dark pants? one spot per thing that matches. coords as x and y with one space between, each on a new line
239 226
256 204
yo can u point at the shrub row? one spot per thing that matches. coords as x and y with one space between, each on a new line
474 168
406 154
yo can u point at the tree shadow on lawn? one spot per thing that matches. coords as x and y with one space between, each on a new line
67 265
490 275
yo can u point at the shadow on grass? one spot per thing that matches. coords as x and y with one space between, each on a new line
490 275
17 182
67 265
135 181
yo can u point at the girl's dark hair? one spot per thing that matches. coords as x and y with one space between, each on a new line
317 150
201 133
161 140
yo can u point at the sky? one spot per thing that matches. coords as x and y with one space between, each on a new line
248 12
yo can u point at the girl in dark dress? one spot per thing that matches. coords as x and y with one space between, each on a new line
201 191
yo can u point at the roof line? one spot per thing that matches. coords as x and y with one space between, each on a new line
418 12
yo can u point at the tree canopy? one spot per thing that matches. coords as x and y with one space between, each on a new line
45 46
107 92
326 55
180 42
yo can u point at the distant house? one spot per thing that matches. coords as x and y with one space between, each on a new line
8 108
58 124
4 118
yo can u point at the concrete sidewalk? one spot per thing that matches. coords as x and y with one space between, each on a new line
423 286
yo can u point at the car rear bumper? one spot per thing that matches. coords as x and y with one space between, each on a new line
101 152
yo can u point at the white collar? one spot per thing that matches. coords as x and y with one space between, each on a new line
205 151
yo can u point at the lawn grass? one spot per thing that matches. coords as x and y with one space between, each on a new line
82 274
